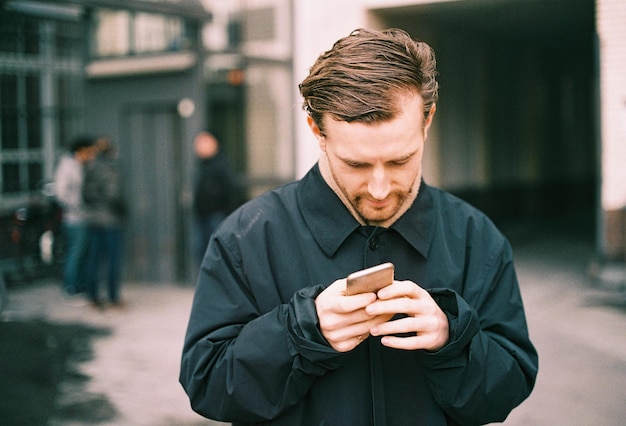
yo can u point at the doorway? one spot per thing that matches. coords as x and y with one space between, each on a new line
515 129
151 160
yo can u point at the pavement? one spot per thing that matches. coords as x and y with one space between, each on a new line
577 323
135 365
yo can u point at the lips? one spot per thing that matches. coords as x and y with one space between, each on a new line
379 204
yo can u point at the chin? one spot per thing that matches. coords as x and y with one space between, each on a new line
376 218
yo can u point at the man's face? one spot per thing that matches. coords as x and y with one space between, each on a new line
375 166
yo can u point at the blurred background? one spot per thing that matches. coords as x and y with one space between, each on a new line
530 124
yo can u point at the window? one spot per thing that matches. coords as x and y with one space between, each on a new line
18 35
33 111
10 177
20 120
123 33
40 107
8 111
68 40
69 110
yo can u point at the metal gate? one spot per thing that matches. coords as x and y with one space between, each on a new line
151 160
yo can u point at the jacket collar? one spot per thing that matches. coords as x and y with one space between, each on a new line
331 222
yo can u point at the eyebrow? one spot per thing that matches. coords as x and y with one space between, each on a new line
395 160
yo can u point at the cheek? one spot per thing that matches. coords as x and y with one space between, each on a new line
403 179
355 181
410 173
408 176
351 180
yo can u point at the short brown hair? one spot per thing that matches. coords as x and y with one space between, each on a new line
361 76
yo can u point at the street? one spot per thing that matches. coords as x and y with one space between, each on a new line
580 334
578 327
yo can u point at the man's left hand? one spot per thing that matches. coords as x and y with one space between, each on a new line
426 324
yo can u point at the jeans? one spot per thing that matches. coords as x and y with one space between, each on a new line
105 259
76 246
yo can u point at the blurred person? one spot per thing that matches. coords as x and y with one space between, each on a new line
214 189
105 212
272 336
68 183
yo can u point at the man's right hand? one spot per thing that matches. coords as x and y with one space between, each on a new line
343 320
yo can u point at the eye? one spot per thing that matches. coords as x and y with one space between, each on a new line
400 162
356 164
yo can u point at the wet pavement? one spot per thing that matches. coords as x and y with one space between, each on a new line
577 324
135 365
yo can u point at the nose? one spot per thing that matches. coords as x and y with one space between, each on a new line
379 186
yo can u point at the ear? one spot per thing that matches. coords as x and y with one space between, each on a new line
429 120
317 133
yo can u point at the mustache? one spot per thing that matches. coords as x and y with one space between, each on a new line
397 194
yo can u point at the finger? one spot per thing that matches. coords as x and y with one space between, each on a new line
405 343
397 305
347 339
349 344
351 330
356 302
413 333
401 289
329 302
410 325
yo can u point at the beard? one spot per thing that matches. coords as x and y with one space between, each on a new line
361 205
373 215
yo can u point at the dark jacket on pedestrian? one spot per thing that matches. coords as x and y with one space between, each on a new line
214 188
254 353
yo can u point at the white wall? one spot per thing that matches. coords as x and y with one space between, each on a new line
317 25
611 26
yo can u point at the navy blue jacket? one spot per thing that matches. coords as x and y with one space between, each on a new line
254 354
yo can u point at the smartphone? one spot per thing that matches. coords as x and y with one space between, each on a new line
370 280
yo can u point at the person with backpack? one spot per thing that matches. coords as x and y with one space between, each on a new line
105 212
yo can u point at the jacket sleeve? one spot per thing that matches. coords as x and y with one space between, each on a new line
489 365
243 365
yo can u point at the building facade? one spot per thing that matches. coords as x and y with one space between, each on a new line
132 71
529 127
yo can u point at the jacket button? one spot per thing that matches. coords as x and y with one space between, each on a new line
374 243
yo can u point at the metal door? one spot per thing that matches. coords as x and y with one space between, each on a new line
151 162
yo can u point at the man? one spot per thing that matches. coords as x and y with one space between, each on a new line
213 190
273 338
68 184
105 211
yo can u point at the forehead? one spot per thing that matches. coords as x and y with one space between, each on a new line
398 136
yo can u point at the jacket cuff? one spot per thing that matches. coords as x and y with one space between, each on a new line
463 326
305 337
